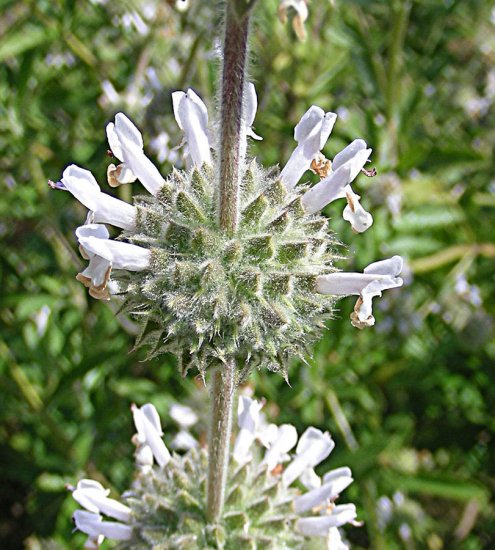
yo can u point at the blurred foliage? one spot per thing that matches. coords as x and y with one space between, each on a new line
409 402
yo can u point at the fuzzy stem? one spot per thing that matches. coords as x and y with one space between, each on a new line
222 406
232 91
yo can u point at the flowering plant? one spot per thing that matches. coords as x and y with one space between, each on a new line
230 266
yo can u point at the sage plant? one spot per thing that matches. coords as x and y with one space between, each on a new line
230 266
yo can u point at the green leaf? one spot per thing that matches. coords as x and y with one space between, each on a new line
24 39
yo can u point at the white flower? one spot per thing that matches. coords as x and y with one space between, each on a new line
183 415
334 540
97 273
346 166
120 255
250 107
94 497
334 483
311 134
248 419
301 9
128 144
310 479
183 441
284 441
149 434
103 255
377 277
313 447
93 525
106 209
319 526
355 214
122 173
248 114
192 117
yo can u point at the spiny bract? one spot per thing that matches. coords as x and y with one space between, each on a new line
168 511
210 298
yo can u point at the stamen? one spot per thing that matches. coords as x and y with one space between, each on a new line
56 185
321 165
370 173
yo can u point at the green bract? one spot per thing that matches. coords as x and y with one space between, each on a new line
208 297
168 509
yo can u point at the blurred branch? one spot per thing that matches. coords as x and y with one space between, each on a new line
345 429
34 400
451 254
468 519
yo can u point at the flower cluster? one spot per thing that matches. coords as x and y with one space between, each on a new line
275 499
260 297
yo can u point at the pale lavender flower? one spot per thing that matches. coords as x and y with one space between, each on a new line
192 117
376 278
149 437
301 14
92 496
311 134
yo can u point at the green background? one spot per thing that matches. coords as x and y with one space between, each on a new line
409 402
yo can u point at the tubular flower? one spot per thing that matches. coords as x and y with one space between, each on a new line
93 497
377 277
266 507
259 297
301 14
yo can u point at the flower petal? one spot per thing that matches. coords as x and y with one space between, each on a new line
122 255
106 209
94 526
183 415
95 499
150 432
354 213
326 191
250 107
348 153
319 526
311 133
392 266
321 495
126 130
192 117
313 447
285 441
248 419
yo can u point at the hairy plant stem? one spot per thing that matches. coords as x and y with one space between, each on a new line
231 99
233 71
222 407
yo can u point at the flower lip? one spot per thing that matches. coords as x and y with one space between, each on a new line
192 117
313 447
92 496
149 432
130 147
319 526
311 134
376 278
94 526
121 255
106 209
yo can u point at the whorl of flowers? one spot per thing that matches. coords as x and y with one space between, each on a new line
274 497
259 297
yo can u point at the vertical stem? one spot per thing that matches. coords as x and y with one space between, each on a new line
222 406
231 99
233 72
